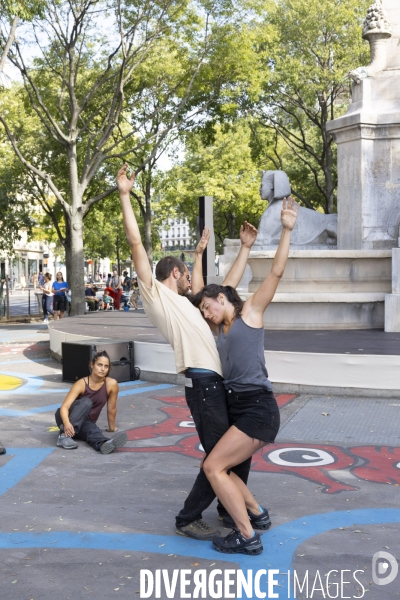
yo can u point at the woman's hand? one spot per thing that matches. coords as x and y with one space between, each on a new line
69 429
247 234
124 183
289 213
205 238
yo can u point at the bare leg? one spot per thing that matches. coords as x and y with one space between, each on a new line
232 449
249 500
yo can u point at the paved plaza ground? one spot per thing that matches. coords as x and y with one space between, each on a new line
76 524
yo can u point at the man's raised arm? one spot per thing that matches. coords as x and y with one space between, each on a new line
139 255
248 235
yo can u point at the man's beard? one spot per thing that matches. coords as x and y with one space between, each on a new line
181 290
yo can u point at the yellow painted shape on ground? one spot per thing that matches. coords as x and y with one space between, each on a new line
8 383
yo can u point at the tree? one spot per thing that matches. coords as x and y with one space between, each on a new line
311 46
78 90
222 168
13 211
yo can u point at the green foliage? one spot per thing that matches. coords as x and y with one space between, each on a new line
311 47
24 9
223 169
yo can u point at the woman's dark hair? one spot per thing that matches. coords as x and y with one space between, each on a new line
48 275
59 273
96 357
166 265
213 290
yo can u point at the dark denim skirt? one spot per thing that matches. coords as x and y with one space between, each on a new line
254 412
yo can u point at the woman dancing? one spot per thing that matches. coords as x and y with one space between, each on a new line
253 411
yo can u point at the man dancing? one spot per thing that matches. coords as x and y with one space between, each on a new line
166 305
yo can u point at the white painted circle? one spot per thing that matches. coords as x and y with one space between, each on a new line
321 459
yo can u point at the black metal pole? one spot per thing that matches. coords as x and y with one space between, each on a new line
200 225
29 302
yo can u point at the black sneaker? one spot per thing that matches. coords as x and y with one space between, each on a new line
236 543
198 530
261 521
2 449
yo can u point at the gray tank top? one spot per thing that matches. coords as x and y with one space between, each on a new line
242 357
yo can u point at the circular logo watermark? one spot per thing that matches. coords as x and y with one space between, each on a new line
384 568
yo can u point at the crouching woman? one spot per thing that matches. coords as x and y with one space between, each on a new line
77 416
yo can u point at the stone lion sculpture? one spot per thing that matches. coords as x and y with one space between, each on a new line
312 228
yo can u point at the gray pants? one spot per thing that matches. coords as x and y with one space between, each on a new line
85 430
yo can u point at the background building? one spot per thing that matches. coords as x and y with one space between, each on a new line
29 258
176 235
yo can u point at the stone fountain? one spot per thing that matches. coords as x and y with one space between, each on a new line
344 272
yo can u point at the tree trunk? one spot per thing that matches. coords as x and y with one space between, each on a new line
75 262
232 226
147 223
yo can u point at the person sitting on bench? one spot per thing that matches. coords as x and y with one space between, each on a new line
91 298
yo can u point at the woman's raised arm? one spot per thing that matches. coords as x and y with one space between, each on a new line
255 306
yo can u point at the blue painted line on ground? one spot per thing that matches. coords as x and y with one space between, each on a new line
130 392
23 390
10 412
280 542
32 385
275 555
127 383
23 460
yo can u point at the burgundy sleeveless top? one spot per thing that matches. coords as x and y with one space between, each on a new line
99 399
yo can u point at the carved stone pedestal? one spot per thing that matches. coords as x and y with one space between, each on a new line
321 289
392 301
368 139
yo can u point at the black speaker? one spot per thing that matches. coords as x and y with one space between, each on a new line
76 357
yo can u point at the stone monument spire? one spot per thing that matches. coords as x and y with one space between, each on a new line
392 9
376 31
368 139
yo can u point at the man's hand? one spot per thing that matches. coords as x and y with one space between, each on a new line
289 213
248 234
124 183
69 430
205 238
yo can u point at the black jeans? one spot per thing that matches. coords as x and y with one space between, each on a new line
207 403
85 430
